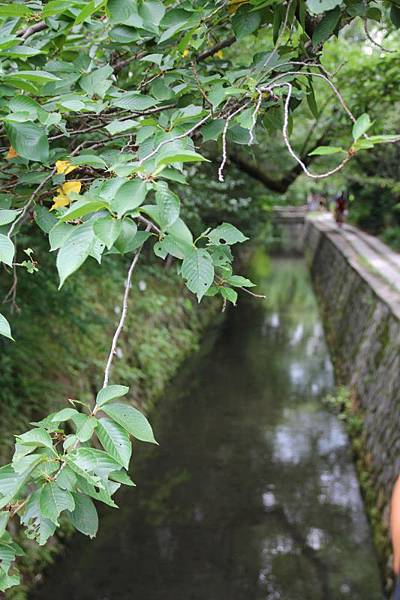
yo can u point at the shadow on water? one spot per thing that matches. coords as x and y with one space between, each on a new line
252 493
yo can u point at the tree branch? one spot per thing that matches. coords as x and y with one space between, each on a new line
214 49
124 313
25 33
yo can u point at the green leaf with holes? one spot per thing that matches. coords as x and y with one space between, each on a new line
226 234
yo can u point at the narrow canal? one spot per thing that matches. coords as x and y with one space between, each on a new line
252 494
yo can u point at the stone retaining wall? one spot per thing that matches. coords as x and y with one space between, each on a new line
361 315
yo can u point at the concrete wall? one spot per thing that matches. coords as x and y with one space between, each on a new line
361 315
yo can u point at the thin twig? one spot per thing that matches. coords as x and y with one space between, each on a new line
25 33
312 74
285 132
124 313
243 289
374 42
254 117
149 223
224 152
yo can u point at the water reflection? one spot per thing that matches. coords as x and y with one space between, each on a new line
252 494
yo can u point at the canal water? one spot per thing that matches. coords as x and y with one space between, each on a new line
252 493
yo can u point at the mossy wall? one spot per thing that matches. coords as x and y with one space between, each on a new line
361 319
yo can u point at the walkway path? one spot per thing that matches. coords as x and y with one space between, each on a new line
376 256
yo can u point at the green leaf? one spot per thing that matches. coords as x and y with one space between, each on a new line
117 126
181 232
79 470
64 415
198 271
86 428
212 131
124 35
74 251
169 155
88 10
245 21
132 420
395 15
38 527
102 495
326 150
58 234
115 440
81 208
382 139
126 239
122 477
134 101
326 26
226 234
319 6
84 517
5 328
129 196
120 10
29 141
229 294
362 125
168 205
239 281
53 500
4 516
11 482
67 479
44 218
173 246
7 250
14 10
107 230
221 255
34 76
37 438
110 393
20 52
94 462
97 82
89 159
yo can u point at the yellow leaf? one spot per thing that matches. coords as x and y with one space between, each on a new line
63 167
234 5
71 186
185 53
60 201
219 54
11 153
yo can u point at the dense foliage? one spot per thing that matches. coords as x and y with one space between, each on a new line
103 106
